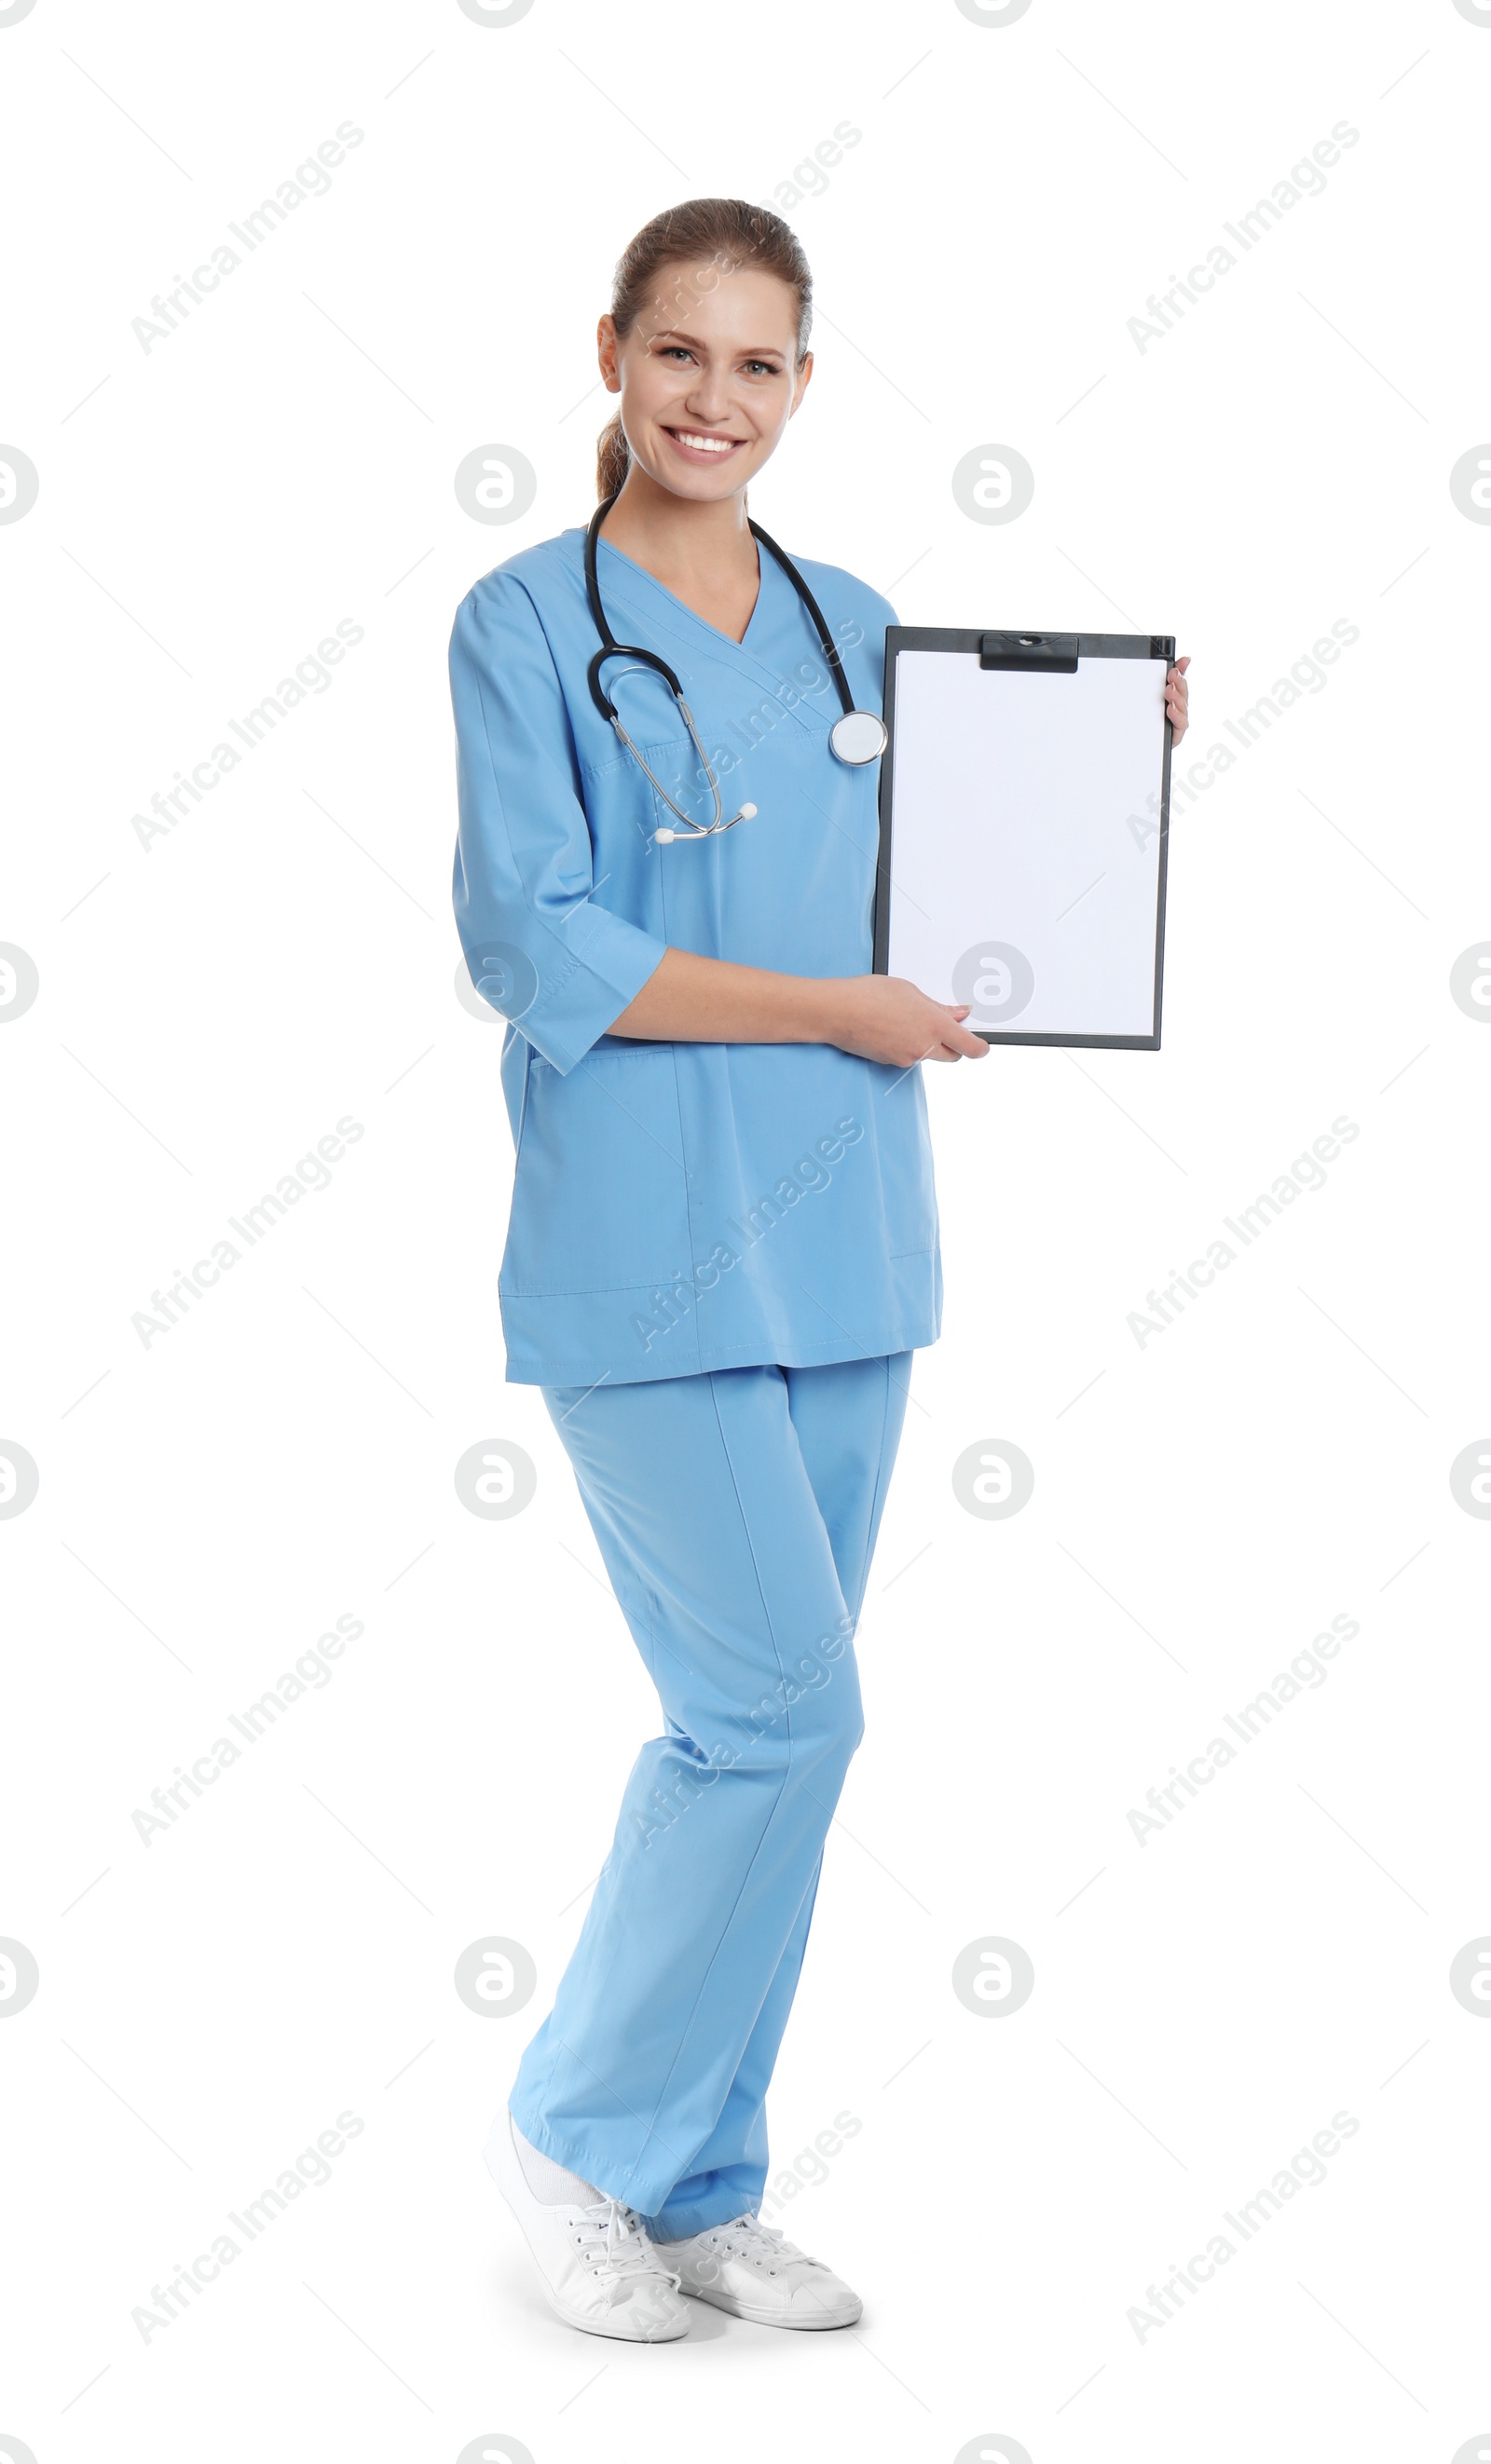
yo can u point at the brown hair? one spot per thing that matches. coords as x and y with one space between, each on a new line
711 235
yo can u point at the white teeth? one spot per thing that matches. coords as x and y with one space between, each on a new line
705 444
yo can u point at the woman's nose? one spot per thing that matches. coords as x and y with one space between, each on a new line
709 399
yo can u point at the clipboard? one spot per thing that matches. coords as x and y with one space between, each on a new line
1024 830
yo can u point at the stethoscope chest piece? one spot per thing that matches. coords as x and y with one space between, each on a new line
858 738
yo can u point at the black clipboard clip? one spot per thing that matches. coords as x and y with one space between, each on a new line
1051 654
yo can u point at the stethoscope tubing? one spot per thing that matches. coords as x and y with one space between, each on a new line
610 648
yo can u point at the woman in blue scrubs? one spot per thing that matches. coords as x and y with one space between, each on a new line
723 1247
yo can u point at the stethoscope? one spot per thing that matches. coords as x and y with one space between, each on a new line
857 738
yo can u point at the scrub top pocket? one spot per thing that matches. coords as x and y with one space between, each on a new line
600 1198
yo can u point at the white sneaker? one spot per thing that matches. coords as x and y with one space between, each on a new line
599 2270
748 2269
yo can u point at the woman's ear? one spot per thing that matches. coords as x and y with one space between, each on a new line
606 348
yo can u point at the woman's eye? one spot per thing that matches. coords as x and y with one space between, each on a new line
761 367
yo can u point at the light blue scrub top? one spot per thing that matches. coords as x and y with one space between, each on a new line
681 1207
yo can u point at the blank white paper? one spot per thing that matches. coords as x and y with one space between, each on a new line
1025 848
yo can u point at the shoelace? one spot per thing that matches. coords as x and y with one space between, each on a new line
615 2233
763 2241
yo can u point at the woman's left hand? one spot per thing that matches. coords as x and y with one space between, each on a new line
1175 709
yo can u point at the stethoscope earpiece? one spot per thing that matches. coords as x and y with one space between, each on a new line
666 838
856 738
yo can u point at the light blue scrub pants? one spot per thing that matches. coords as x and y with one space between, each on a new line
737 1513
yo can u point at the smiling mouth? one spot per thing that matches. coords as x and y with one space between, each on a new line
699 447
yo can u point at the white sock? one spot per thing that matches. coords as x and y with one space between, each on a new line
551 2186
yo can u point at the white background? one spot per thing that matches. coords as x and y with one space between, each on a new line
1204 1503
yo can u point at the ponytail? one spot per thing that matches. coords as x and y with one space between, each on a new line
613 459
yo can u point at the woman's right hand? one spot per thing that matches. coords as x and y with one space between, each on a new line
884 1018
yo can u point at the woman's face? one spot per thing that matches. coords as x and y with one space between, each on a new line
708 377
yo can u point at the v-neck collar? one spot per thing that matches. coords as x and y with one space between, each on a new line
716 632
672 617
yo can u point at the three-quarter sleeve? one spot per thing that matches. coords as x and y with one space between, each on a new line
541 948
